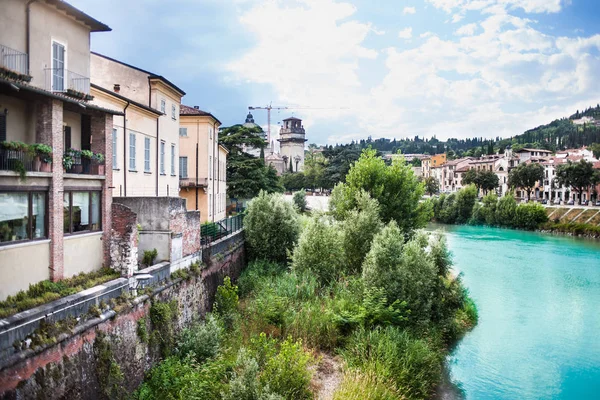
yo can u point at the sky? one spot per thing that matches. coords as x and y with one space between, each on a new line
359 68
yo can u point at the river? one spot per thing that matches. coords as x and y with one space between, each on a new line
538 296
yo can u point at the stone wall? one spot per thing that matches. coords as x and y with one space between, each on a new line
124 240
76 366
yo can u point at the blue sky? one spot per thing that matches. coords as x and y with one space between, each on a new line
449 68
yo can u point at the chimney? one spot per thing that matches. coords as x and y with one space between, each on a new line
117 88
197 107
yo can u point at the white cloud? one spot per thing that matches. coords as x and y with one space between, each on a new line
426 34
529 6
466 30
405 33
409 10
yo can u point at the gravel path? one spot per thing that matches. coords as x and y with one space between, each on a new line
327 377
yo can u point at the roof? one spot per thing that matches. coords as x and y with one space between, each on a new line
187 110
120 96
224 148
463 169
292 119
94 24
530 150
151 75
15 85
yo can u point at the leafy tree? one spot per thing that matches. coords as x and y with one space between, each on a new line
595 148
315 165
395 187
299 199
465 200
432 185
506 209
579 175
271 227
482 179
530 216
247 175
293 181
526 176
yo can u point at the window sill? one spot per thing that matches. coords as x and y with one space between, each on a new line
23 243
67 236
173 175
147 172
133 170
163 174
116 169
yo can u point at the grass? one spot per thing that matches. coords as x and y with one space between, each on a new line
46 291
574 228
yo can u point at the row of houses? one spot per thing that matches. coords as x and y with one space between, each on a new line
79 131
449 174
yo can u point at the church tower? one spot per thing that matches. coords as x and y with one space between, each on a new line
292 139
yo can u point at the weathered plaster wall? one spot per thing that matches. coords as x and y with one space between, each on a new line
70 369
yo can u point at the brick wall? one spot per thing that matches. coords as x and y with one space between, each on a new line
124 240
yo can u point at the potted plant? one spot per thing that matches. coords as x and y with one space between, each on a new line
75 156
43 157
98 165
67 161
86 160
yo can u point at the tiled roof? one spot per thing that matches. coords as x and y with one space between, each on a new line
187 110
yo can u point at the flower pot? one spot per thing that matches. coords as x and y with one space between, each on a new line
97 169
77 169
46 167
86 166
37 163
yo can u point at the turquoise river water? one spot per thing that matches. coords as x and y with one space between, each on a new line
538 297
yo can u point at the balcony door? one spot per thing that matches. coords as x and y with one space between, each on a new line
58 67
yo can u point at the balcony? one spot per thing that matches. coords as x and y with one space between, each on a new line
68 82
14 64
22 158
78 162
192 182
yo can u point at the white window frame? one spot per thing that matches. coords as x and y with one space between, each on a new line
173 169
147 147
183 132
210 167
173 111
183 171
65 47
115 142
162 157
132 150
163 106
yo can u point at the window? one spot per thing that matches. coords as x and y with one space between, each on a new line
210 205
67 137
23 216
172 160
173 110
162 158
3 126
163 106
114 150
183 132
58 67
183 167
132 151
210 167
146 154
210 133
82 212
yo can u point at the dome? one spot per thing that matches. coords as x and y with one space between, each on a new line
249 118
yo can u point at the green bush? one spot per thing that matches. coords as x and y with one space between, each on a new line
392 355
163 317
244 383
319 250
200 341
299 199
271 227
287 373
506 210
530 216
255 272
358 229
465 200
358 385
226 302
149 257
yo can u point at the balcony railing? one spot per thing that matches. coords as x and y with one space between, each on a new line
86 166
192 182
69 82
13 60
16 160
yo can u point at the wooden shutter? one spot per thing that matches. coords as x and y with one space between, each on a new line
86 132
2 127
67 137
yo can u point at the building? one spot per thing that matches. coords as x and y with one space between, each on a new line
202 164
146 137
430 162
451 174
292 138
55 222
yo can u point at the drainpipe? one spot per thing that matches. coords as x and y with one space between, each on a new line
213 170
27 33
157 152
197 159
125 167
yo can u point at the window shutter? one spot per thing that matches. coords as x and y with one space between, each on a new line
3 127
67 137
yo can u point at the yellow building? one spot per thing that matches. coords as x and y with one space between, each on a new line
431 162
202 164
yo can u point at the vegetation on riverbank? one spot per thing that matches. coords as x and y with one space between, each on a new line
378 296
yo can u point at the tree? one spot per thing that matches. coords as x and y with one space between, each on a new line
482 179
246 174
432 185
299 200
271 227
465 200
579 176
526 176
395 187
595 148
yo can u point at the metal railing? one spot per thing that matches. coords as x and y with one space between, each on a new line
13 60
86 166
213 231
65 81
16 160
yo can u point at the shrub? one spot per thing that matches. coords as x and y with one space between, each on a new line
200 341
299 199
358 229
505 210
392 355
319 250
149 257
226 302
287 373
465 200
444 209
530 216
163 317
358 385
271 227
404 271
244 383
256 271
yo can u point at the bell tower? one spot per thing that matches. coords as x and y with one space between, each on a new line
292 139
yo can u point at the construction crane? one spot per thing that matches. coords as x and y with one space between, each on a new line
270 107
